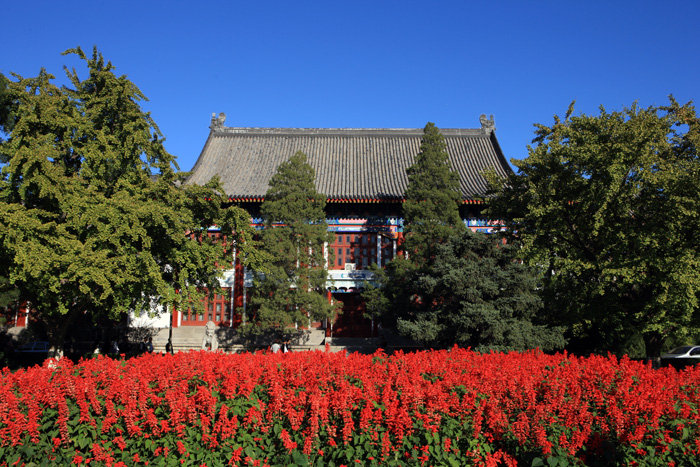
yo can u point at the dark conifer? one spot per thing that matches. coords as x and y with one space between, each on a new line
293 290
431 210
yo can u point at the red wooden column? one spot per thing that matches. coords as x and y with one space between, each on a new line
22 316
175 317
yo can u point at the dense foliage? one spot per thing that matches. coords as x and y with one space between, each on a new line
8 293
293 288
93 215
475 293
431 209
454 286
451 407
7 107
609 207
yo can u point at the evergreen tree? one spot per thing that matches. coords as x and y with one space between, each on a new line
431 209
476 294
431 216
93 216
473 293
293 290
455 287
608 205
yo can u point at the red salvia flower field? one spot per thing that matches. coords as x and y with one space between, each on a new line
454 407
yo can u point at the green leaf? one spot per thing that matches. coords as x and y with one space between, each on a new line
299 458
349 453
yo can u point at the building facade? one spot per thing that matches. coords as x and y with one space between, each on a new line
362 172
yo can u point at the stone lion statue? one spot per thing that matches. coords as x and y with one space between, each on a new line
210 336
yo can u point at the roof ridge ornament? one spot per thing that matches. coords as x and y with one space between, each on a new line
217 123
487 124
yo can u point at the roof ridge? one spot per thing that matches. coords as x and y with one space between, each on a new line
343 131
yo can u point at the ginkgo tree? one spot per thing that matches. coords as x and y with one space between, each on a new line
608 206
94 217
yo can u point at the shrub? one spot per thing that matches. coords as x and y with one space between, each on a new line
453 407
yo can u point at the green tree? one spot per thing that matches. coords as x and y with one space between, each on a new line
431 216
607 205
475 293
431 209
93 215
455 287
293 289
7 107
8 292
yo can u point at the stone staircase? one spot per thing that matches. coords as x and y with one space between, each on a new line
190 338
187 338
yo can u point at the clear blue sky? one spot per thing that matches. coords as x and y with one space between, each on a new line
390 64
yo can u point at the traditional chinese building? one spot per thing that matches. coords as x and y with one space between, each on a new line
362 172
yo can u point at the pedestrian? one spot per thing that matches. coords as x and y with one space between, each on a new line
149 345
275 347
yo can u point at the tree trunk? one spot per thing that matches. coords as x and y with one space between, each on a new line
653 343
57 332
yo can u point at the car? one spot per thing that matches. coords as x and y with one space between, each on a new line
34 347
684 351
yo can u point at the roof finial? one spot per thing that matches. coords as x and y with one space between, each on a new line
217 122
487 124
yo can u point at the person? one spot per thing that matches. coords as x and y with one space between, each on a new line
114 349
275 347
149 345
285 347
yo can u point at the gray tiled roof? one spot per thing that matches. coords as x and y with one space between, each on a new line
350 163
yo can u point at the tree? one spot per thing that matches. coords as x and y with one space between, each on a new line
475 293
293 290
7 107
431 209
455 287
93 214
8 292
431 216
607 205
